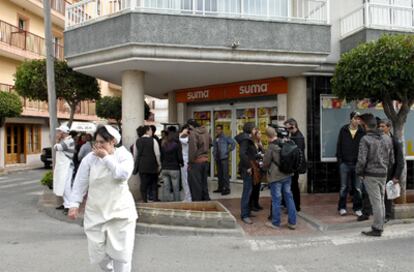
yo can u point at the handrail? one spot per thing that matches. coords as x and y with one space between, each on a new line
379 16
6 87
58 5
25 40
306 11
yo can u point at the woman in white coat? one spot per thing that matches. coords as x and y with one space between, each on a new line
110 213
184 170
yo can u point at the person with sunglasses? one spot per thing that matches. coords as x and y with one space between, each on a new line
296 136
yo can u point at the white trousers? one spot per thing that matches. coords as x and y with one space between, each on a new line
110 265
68 187
184 180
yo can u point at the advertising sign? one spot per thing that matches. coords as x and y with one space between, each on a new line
335 114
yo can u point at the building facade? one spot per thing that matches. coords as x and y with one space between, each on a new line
22 38
232 61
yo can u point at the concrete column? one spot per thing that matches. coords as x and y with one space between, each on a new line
296 108
172 108
181 113
132 114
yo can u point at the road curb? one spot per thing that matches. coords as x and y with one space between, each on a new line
319 225
164 230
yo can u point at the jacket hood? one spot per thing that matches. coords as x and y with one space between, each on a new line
375 134
242 137
201 130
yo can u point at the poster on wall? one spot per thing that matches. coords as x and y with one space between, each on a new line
335 114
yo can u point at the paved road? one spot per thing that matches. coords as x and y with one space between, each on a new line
32 241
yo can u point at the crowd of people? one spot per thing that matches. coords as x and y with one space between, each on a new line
179 164
368 155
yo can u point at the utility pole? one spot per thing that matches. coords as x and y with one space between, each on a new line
50 74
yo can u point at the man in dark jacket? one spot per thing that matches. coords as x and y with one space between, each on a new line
296 136
347 154
394 173
375 158
247 155
148 163
199 143
222 147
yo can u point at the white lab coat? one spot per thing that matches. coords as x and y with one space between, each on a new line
110 212
63 172
184 170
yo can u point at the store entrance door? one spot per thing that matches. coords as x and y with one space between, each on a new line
15 143
233 117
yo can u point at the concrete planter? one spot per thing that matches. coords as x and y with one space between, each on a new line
210 214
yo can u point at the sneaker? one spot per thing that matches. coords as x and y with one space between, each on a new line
247 220
362 217
270 225
342 212
217 191
358 213
292 227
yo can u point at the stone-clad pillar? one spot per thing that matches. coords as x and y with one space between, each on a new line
296 108
172 108
132 114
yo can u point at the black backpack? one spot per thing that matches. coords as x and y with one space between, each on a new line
292 159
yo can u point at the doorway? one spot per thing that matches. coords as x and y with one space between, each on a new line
233 117
15 144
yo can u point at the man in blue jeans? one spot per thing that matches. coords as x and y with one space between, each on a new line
347 155
279 182
222 147
247 155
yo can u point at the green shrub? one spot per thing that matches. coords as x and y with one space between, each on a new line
47 179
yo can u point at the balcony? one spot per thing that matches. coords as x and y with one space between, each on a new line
86 110
20 44
36 6
203 41
305 11
375 18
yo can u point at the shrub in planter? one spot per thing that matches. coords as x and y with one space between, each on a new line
47 180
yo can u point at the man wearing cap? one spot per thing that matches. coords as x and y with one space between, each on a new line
347 155
64 166
199 143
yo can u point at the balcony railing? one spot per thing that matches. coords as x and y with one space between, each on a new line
25 40
379 16
6 88
84 107
306 11
58 5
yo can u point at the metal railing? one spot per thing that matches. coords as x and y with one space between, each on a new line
19 38
379 16
307 11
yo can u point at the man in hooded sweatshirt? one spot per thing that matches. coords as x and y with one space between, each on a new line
247 155
199 143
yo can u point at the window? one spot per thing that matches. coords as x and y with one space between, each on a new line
22 23
33 138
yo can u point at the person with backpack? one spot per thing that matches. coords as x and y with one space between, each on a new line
279 181
296 136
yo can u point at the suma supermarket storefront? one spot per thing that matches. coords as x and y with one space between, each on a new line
234 104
